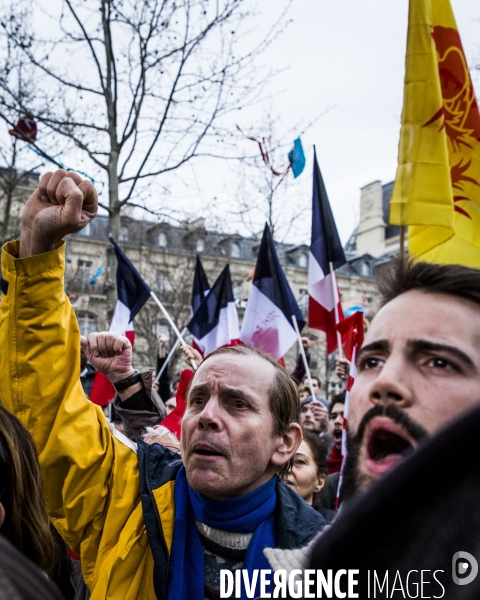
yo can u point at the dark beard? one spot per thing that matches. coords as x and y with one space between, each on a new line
352 479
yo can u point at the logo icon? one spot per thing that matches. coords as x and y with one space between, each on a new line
464 568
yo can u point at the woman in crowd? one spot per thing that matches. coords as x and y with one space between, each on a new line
26 524
309 471
24 520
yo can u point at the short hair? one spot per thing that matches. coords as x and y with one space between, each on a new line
337 399
319 450
282 394
401 276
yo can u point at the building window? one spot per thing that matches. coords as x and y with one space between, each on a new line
303 301
303 261
123 237
87 230
200 245
84 267
162 239
365 269
163 283
86 323
235 250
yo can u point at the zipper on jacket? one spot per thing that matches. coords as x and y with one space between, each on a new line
157 514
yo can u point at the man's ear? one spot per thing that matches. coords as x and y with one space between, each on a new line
287 445
2 514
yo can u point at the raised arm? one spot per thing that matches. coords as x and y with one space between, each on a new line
40 383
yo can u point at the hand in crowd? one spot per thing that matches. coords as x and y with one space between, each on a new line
320 411
162 341
306 343
189 354
110 353
342 368
63 203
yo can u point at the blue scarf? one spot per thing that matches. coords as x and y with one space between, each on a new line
253 512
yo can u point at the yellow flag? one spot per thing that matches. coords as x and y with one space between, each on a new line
437 186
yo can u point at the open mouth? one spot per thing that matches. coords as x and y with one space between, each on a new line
337 434
387 444
203 452
206 450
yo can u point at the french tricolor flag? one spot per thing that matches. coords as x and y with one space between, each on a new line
215 322
326 255
267 323
132 294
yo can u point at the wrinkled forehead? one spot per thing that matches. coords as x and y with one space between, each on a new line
241 371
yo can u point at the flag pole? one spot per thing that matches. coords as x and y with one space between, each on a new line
170 354
402 242
304 357
336 300
172 325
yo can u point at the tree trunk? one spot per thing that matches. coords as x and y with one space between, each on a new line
114 227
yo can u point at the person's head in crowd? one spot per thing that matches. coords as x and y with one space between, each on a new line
335 419
309 470
317 384
23 513
175 383
303 392
241 423
313 415
419 367
171 404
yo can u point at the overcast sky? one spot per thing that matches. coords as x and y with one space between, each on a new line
350 55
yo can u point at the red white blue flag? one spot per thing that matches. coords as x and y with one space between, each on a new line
215 322
326 255
132 294
267 323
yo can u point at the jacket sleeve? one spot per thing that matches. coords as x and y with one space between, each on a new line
91 479
299 372
141 410
164 382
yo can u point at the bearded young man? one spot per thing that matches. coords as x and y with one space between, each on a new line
145 526
418 369
411 525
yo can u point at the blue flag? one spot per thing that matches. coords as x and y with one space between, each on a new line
296 156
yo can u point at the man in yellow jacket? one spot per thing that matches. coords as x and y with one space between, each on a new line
145 525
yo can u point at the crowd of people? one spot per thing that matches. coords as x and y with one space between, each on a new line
234 466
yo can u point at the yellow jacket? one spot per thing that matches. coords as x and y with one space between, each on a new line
91 478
